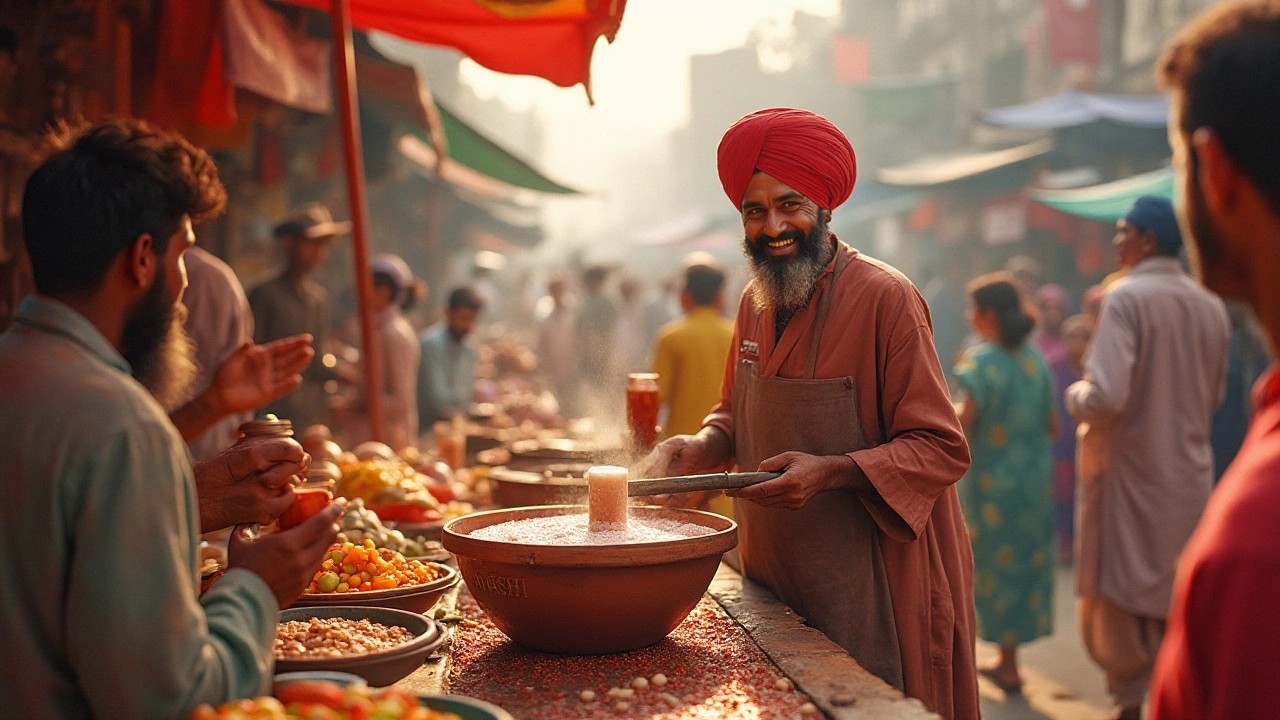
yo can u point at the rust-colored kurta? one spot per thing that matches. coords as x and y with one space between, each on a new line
878 333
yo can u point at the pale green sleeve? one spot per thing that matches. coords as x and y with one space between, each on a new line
140 642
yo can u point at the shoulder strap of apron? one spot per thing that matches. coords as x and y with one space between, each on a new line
811 362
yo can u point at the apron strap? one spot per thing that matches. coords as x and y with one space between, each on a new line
811 362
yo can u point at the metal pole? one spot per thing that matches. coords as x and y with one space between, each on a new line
344 63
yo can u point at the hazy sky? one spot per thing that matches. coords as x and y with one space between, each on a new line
641 89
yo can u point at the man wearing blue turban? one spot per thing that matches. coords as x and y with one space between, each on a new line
1153 377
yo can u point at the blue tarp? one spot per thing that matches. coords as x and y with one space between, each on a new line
1072 108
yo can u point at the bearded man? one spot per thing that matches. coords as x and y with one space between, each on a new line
1221 653
100 610
833 381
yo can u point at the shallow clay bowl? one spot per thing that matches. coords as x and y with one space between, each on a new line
520 488
413 598
377 668
588 599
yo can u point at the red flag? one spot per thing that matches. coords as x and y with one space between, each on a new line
189 87
552 39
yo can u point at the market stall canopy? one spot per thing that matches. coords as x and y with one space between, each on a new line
473 149
552 39
1108 202
475 162
942 169
1072 108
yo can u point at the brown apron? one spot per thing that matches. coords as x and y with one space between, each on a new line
823 560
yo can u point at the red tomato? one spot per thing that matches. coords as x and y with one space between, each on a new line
306 502
360 709
312 693
404 513
442 492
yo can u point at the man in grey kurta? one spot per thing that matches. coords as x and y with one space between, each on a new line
102 500
100 612
1153 377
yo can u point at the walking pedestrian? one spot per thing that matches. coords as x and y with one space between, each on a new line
1153 377
1007 408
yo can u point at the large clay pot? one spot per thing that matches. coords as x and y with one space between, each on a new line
588 599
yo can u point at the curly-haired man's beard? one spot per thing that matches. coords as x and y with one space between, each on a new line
786 284
157 347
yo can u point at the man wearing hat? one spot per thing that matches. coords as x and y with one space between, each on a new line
1153 377
833 381
392 284
293 304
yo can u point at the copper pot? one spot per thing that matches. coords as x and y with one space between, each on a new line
519 488
588 599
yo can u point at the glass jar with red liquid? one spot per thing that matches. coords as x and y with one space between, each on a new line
642 410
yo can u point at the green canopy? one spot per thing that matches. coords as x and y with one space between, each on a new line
1110 201
469 147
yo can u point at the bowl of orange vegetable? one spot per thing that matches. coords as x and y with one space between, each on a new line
365 575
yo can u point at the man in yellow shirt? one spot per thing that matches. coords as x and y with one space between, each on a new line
691 353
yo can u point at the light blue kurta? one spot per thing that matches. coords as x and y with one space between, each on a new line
99 608
446 375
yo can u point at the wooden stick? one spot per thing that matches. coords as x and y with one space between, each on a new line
345 64
696 483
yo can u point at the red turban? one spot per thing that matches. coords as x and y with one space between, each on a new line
800 148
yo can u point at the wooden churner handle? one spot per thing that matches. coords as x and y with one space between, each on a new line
697 483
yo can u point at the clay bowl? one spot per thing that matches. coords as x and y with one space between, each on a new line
377 668
412 598
519 488
588 599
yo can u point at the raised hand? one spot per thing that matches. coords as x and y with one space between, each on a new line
256 375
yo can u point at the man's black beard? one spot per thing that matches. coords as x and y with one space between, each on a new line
786 284
157 347
1217 270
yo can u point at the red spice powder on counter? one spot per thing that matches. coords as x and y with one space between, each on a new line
713 670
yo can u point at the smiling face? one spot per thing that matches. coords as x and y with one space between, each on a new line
776 217
786 242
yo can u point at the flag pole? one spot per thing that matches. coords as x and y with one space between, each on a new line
344 64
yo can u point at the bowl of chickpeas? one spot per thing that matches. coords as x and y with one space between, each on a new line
365 575
381 645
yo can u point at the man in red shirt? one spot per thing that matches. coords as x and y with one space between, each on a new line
1221 655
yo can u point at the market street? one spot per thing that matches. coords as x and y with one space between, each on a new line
1061 683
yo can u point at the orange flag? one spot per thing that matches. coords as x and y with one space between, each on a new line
552 39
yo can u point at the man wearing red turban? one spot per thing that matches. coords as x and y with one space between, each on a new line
833 381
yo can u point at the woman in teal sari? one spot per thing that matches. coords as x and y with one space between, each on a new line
1006 403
